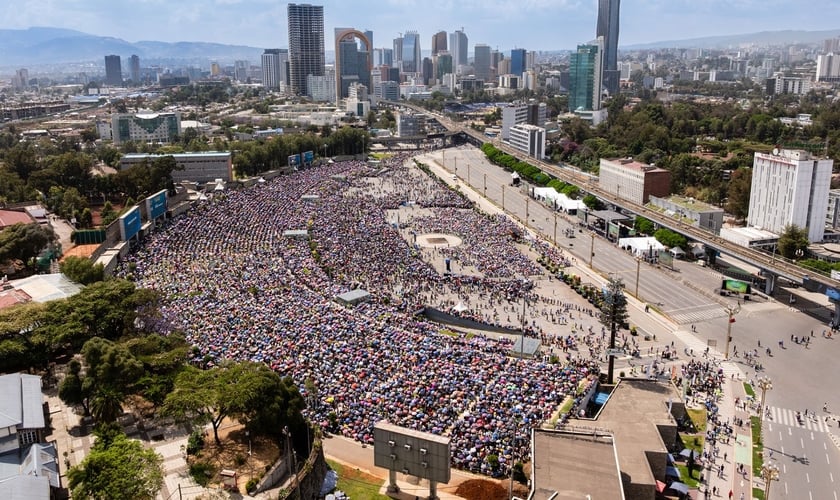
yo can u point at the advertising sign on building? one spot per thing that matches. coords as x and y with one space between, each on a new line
735 286
130 223
308 157
294 160
156 205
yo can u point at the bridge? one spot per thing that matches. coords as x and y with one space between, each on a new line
772 267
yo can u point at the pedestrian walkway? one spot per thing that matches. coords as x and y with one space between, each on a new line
786 416
695 314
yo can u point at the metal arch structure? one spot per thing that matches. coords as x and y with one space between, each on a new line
339 37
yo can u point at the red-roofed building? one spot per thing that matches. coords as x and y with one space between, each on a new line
634 181
12 217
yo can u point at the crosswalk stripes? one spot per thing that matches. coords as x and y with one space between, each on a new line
785 416
695 314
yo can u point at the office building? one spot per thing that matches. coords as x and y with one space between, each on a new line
113 70
274 68
530 59
529 139
322 87
481 62
409 124
438 42
443 65
306 45
21 79
194 167
458 48
781 84
134 69
411 58
585 77
517 62
790 187
387 90
832 215
828 67
633 181
352 60
142 127
396 60
518 113
383 57
608 17
369 36
240 71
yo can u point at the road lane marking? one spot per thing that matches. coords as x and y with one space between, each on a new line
812 435
831 476
807 477
827 460
786 489
790 431
784 469
802 442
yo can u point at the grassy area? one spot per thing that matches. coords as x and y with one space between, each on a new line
757 446
698 417
749 390
567 406
357 484
685 477
758 494
693 441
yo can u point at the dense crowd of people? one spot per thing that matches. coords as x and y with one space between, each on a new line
239 288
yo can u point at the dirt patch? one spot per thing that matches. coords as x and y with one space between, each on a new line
232 454
485 489
438 240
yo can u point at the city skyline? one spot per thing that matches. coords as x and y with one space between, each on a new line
532 24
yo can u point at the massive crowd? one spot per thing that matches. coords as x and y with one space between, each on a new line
239 289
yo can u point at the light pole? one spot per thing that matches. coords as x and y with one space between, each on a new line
769 472
765 384
638 269
555 228
485 185
591 249
731 311
503 197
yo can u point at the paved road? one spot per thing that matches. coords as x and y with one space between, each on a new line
801 376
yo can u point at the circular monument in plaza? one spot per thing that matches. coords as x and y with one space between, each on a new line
438 240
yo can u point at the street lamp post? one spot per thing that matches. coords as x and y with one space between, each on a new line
765 384
591 249
503 197
731 311
769 472
555 228
638 269
485 185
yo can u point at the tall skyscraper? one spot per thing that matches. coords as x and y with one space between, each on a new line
585 77
352 60
369 35
608 28
443 65
458 48
134 69
240 71
113 70
438 42
411 59
481 62
275 68
517 61
396 60
306 44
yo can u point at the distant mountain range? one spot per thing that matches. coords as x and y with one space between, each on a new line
42 46
45 46
784 37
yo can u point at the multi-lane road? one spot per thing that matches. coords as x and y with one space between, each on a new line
802 376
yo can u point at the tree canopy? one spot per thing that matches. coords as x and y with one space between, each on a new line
82 270
793 242
117 467
24 241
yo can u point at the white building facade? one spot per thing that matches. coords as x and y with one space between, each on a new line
790 187
529 139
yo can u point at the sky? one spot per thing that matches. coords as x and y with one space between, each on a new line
502 24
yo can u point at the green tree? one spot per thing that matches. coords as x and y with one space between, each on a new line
613 315
24 242
793 240
71 390
670 239
117 467
643 225
592 202
738 192
82 270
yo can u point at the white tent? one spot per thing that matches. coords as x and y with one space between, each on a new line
642 246
460 307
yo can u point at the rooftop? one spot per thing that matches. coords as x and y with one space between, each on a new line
21 401
12 217
565 463
629 163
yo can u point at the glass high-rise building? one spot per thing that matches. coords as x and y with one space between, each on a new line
517 61
438 42
481 62
585 75
458 48
306 44
608 29
134 69
113 70
411 61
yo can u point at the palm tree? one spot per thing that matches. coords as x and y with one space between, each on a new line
106 405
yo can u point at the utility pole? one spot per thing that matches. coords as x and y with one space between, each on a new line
485 185
591 249
503 197
638 268
555 228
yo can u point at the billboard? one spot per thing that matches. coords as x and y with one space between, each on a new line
294 160
735 286
411 452
156 205
308 157
130 223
